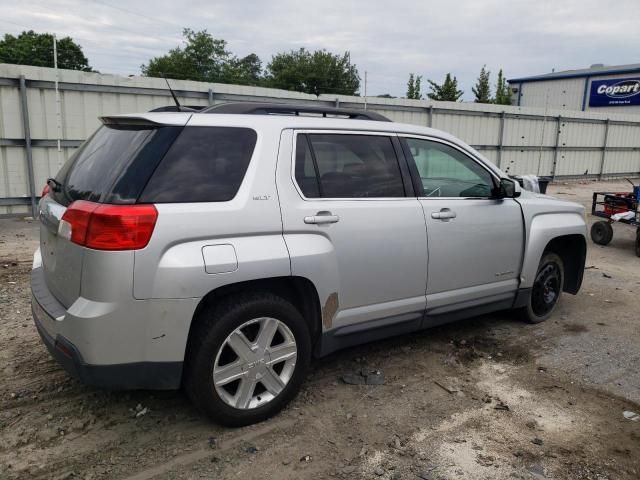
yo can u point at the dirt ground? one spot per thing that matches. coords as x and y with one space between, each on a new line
487 398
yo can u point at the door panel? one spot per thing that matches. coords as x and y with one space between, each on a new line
367 256
475 241
477 254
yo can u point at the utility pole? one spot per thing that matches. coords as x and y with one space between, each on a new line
58 116
365 89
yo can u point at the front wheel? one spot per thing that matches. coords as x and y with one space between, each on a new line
546 289
247 358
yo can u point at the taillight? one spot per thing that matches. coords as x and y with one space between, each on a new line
108 227
45 190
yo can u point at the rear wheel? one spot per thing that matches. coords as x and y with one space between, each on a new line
601 232
546 289
247 358
638 242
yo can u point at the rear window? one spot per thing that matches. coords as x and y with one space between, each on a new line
205 164
114 164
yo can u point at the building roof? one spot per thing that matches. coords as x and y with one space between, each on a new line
593 71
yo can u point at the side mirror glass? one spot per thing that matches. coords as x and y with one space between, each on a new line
507 188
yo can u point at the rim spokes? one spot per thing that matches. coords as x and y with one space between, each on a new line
282 352
272 382
244 393
240 345
268 329
249 370
228 373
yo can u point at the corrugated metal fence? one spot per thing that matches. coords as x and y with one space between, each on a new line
39 131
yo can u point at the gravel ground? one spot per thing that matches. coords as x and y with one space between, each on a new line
485 398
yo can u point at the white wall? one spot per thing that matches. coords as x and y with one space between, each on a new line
567 94
528 136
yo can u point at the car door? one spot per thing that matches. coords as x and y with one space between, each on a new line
354 227
475 241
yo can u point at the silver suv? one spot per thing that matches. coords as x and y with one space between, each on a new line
221 250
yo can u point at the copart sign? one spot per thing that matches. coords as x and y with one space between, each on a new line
615 92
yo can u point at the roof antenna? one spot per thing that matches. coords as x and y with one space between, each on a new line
175 99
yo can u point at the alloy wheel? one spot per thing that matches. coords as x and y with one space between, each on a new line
255 363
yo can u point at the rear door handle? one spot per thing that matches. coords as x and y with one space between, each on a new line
321 218
444 214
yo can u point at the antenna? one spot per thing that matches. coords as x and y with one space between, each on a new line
175 99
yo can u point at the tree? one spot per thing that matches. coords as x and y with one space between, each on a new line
447 92
313 72
203 58
31 48
482 89
243 71
503 92
414 87
385 95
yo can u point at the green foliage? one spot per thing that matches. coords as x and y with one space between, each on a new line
414 87
385 95
503 92
244 71
203 58
447 92
313 72
31 48
482 89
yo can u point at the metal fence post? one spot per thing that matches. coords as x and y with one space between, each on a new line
500 140
604 148
430 113
555 148
27 142
210 98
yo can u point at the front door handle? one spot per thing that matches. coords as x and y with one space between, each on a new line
321 218
445 214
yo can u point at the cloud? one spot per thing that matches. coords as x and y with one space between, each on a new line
387 39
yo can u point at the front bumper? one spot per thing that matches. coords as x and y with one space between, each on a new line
122 376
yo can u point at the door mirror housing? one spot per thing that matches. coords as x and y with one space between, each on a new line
507 188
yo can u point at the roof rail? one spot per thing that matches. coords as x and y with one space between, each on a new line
254 108
182 108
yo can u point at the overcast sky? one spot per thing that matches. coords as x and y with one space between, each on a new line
389 39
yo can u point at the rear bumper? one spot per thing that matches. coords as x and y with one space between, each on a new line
47 311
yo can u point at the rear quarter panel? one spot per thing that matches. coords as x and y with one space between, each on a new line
173 265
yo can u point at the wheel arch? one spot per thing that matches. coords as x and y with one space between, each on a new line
572 249
300 291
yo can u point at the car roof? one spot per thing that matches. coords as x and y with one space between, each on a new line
276 121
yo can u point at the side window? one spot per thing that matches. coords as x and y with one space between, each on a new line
348 166
204 164
447 172
305 169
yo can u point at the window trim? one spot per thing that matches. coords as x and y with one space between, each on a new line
413 170
405 176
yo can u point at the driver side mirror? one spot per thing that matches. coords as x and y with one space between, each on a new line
507 188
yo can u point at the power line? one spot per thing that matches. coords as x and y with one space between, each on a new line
153 19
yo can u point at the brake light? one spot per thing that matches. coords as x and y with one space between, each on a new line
108 227
45 190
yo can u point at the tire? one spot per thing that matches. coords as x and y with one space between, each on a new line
638 242
546 290
236 324
601 232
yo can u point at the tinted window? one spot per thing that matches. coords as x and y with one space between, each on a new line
114 164
305 169
447 172
351 166
205 164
